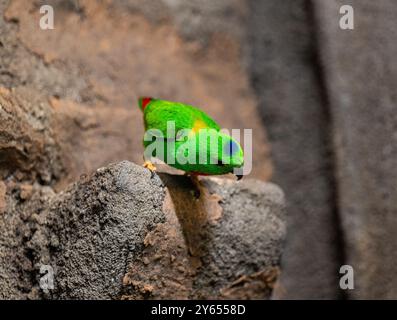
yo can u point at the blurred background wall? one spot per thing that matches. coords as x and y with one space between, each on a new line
328 100
321 102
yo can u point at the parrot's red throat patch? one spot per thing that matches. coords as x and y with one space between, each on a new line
144 101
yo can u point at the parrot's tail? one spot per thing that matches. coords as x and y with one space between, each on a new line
143 102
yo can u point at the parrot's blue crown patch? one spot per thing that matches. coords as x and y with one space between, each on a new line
231 148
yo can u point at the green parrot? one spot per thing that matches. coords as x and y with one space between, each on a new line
190 140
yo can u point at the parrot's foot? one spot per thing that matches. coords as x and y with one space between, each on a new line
149 165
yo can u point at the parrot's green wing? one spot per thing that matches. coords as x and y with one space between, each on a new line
159 114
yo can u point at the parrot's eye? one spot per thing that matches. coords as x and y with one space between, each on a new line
231 147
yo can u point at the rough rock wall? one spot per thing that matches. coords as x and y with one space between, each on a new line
122 233
67 108
102 56
326 97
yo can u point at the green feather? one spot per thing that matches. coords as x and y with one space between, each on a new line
196 146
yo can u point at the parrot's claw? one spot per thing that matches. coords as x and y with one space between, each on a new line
149 165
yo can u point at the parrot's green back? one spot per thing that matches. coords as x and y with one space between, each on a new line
157 113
